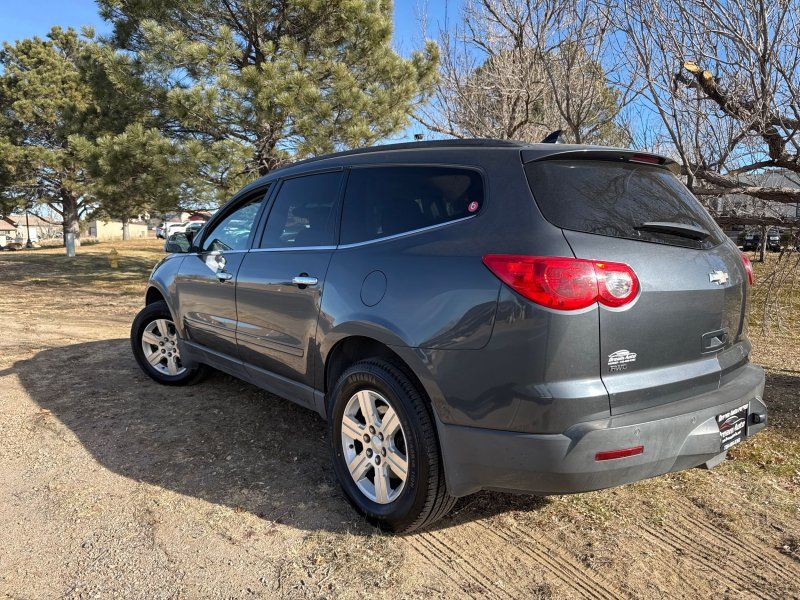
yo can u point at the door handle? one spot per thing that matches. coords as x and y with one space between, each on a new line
224 276
304 280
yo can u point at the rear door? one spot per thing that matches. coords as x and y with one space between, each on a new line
685 328
281 281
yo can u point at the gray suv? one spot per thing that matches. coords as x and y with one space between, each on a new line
471 315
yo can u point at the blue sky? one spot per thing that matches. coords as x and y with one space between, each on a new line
25 18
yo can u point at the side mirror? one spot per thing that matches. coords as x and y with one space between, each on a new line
178 243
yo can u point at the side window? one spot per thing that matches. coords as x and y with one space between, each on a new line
384 201
304 212
233 231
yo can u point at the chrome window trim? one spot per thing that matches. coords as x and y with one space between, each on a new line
291 248
406 233
226 252
367 242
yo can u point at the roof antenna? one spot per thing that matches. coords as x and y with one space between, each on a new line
552 138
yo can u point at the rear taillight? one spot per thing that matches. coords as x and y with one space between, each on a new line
565 283
748 267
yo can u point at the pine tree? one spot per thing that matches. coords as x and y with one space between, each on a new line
46 98
278 78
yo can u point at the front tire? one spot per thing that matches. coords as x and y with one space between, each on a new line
385 452
154 341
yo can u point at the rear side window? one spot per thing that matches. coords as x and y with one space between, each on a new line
384 201
304 213
617 199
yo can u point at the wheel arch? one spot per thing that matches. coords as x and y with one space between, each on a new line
350 349
153 295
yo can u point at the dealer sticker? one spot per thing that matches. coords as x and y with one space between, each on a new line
732 426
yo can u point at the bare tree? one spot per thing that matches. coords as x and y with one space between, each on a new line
522 68
723 78
721 81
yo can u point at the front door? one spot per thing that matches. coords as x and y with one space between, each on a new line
280 283
206 283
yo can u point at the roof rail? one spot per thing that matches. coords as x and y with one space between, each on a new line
452 143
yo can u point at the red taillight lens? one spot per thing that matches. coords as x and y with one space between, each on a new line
621 453
565 283
748 267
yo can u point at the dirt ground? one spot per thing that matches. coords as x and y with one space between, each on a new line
111 485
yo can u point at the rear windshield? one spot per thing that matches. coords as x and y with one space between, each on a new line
616 199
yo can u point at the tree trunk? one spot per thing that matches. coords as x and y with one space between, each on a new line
126 229
762 247
69 208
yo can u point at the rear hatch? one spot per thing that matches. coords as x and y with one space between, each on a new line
684 331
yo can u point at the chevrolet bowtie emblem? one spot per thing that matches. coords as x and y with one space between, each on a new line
718 277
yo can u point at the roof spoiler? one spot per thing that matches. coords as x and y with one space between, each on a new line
597 153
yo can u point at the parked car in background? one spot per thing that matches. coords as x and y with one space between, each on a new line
161 231
752 241
175 228
471 314
774 240
187 234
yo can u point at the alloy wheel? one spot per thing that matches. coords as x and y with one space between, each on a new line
374 445
160 346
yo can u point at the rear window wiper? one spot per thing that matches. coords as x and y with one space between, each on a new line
680 229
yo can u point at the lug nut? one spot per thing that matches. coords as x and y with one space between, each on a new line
377 460
371 429
369 452
366 438
383 451
380 436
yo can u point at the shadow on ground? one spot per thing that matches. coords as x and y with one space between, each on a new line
223 440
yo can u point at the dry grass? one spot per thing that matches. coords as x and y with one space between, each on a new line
113 486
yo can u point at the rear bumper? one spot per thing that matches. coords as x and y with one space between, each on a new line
675 436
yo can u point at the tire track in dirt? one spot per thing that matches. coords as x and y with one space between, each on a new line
421 547
502 569
776 563
708 559
569 572
463 562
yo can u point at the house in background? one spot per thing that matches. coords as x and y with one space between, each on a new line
112 230
40 229
8 233
731 208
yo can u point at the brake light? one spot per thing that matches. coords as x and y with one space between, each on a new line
565 283
748 267
646 159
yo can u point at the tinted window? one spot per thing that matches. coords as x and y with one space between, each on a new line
614 199
233 231
304 212
383 201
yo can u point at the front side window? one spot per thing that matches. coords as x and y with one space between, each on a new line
384 201
233 231
304 213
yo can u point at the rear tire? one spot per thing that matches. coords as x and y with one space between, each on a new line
156 351
399 505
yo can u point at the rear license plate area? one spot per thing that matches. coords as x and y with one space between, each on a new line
733 426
